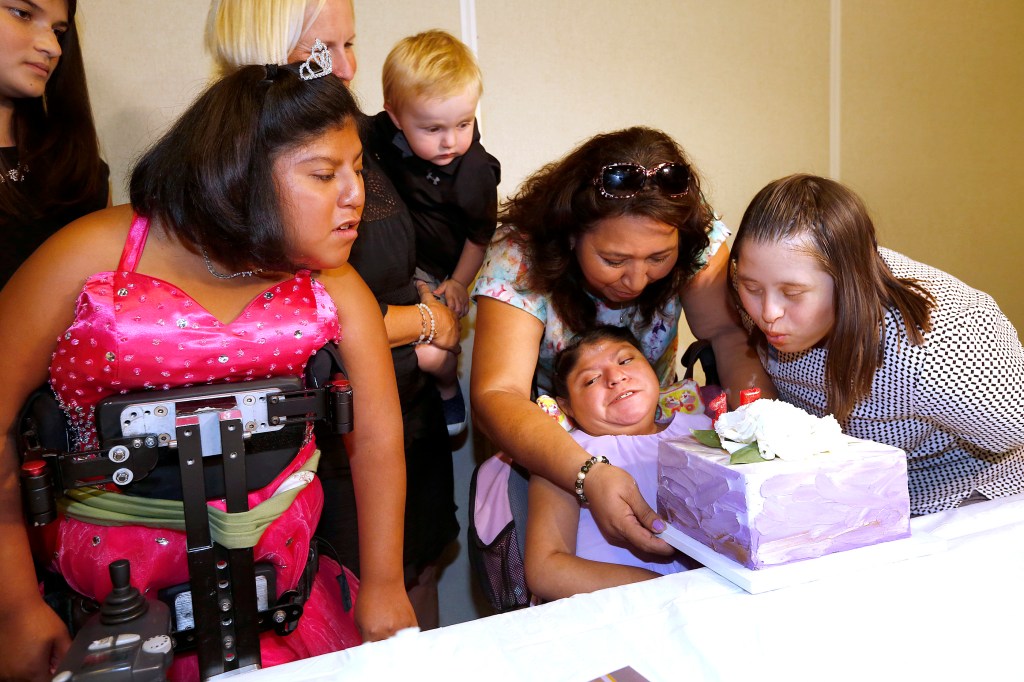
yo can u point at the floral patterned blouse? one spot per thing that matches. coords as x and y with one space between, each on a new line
506 261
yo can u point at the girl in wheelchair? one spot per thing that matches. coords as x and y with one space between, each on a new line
603 382
229 265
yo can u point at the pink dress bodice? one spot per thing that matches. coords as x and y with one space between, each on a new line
134 332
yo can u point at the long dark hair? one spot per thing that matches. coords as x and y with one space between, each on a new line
559 203
209 179
56 140
835 222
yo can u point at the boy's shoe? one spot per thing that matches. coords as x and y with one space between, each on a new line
455 413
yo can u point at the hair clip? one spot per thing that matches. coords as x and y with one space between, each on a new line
271 73
319 63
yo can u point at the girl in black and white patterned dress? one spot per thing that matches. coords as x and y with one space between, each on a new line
899 352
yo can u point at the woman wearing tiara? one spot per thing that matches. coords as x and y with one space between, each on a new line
50 167
245 279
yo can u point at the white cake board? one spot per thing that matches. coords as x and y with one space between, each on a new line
808 570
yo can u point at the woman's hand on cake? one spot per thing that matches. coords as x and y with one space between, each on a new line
621 511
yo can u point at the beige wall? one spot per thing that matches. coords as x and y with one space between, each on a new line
926 125
933 133
920 110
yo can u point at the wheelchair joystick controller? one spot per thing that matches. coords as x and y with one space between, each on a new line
124 603
127 640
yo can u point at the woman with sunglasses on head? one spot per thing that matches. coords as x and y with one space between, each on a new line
617 232
898 351
50 167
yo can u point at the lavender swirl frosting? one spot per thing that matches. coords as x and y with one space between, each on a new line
777 512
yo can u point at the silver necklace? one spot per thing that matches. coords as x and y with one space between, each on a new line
221 275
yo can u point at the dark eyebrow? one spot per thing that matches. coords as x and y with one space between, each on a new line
321 158
330 160
616 254
36 7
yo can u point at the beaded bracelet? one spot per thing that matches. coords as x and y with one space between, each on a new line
426 312
421 307
433 324
582 476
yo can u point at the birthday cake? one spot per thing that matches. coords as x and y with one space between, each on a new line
772 485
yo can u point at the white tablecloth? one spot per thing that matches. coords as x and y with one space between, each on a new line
957 614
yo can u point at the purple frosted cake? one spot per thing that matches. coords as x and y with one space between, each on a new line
775 512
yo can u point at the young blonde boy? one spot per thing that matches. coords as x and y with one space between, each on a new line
428 143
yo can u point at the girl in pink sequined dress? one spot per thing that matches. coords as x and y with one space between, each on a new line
229 265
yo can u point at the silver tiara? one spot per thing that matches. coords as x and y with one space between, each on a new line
319 63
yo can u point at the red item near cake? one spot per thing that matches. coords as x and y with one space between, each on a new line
718 406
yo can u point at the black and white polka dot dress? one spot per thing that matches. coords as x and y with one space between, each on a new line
955 404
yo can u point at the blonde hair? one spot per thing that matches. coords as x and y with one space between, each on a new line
240 32
433 64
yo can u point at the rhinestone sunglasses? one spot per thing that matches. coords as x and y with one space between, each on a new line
625 180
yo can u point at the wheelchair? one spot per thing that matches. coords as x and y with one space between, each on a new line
498 493
188 444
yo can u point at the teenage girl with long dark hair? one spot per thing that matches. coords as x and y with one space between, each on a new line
50 167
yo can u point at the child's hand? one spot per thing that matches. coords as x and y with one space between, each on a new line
455 296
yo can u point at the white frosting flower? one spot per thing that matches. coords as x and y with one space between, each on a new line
780 430
737 426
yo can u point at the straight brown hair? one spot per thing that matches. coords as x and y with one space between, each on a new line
834 222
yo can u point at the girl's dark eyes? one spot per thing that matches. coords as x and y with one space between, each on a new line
26 15
625 361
